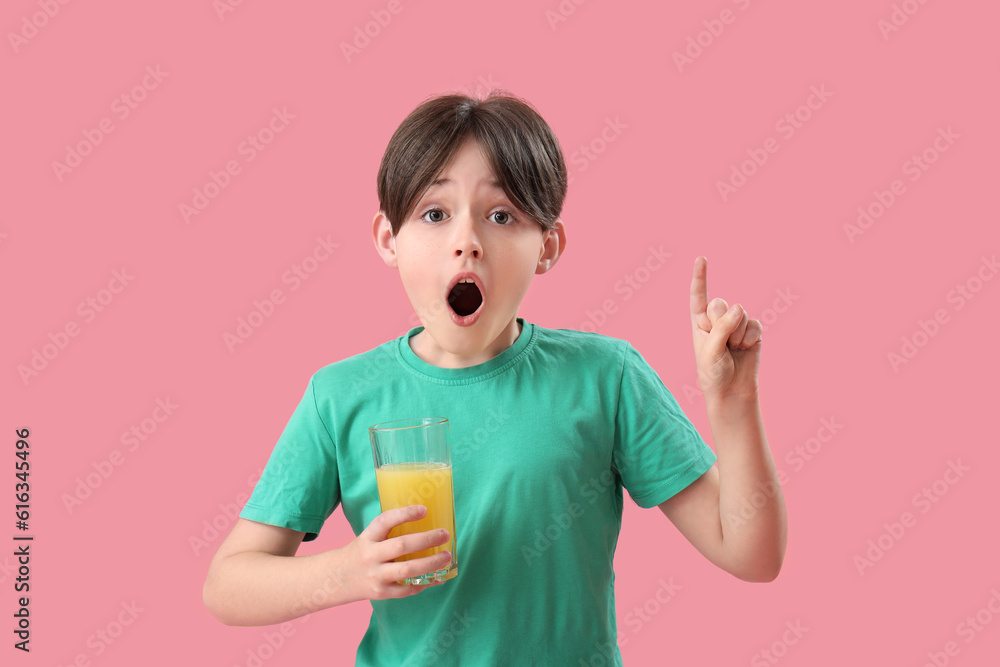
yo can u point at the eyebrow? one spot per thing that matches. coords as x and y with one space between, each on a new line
494 184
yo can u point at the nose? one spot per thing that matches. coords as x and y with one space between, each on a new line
466 242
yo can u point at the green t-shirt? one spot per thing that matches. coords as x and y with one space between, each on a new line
543 438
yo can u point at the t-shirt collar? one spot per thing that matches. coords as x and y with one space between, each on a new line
495 365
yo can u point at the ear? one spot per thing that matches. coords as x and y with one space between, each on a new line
385 242
553 246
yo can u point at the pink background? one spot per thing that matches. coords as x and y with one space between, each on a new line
681 130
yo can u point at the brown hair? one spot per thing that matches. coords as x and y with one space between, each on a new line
520 147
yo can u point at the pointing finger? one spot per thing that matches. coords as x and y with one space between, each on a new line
699 293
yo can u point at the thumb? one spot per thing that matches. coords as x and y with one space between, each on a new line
722 329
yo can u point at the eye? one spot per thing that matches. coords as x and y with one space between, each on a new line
433 210
509 218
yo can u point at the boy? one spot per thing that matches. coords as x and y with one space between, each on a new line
547 427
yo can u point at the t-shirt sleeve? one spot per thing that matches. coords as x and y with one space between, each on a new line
299 487
658 452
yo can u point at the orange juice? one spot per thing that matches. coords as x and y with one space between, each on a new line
429 484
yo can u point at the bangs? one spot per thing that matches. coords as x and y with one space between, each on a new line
518 145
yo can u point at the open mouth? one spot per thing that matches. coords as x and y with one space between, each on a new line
465 298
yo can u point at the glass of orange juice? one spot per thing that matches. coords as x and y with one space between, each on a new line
413 467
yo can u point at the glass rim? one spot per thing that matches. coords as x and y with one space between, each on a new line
411 422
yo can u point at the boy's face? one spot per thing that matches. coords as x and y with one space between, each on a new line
465 224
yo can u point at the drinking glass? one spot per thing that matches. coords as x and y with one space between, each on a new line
413 467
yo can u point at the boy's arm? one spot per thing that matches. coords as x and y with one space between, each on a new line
256 579
712 512
743 490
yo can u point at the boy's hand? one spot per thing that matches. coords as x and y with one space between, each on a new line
726 342
371 555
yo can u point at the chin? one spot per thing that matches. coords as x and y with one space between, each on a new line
463 340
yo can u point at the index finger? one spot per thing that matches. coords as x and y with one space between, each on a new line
378 530
699 292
